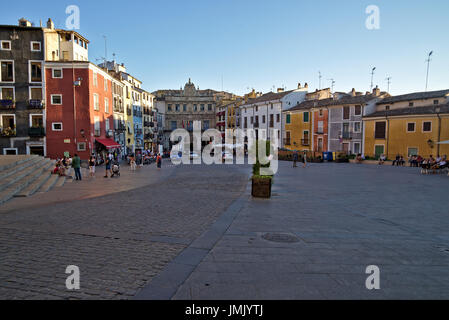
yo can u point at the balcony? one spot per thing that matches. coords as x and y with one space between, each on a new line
7 104
7 132
305 142
346 136
36 132
36 104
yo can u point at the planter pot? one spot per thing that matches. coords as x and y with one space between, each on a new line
261 187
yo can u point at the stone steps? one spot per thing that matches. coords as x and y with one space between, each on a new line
25 181
36 184
7 174
49 184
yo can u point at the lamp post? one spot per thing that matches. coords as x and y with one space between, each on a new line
428 66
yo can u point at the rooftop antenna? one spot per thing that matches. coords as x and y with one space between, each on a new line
113 55
105 49
388 82
332 84
372 77
319 77
428 66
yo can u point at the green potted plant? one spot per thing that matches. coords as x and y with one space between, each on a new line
261 184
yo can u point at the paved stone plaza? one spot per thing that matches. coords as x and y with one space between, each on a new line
194 232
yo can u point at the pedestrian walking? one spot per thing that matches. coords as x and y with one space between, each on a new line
92 167
132 162
159 161
108 167
304 160
295 159
76 165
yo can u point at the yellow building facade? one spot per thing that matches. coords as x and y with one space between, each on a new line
407 132
298 130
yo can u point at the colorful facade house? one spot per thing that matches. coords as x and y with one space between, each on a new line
411 124
79 109
345 129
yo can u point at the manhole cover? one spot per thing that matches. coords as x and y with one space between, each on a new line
280 237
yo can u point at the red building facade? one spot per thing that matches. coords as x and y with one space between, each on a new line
79 113
320 129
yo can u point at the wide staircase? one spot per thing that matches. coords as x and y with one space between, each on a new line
22 176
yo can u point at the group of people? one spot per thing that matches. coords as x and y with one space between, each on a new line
139 159
434 164
64 165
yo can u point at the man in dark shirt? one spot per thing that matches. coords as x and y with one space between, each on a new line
76 165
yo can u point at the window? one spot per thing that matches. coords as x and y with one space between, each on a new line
6 45
436 101
105 85
36 71
412 152
7 72
252 120
288 119
345 113
56 126
184 108
209 107
36 93
257 108
81 146
35 46
36 121
202 107
206 124
321 112
427 126
278 117
320 127
96 102
246 122
173 125
305 117
263 119
56 99
57 73
169 107
380 130
95 79
410 104
6 93
106 125
8 121
357 127
177 108
97 127
106 105
379 150
387 108
411 127
195 107
357 111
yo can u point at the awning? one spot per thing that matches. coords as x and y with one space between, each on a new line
108 143
444 142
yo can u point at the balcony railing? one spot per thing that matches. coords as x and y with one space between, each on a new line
346 135
36 104
36 132
7 104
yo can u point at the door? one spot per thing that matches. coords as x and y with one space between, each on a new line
378 150
39 150
320 144
346 148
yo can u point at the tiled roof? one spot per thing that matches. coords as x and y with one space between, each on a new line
432 109
269 97
415 96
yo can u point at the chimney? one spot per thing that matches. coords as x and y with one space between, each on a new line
24 23
280 90
376 91
306 85
299 85
50 24
353 92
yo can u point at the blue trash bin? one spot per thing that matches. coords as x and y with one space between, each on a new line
328 156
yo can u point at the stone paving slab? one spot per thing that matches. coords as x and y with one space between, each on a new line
345 217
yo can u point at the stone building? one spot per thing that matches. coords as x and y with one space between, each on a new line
184 106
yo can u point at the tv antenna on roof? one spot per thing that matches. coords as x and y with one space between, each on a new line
332 84
428 66
319 77
388 83
372 77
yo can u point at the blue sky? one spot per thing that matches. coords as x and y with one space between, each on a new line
260 44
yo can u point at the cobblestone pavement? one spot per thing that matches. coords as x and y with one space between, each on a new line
119 232
344 217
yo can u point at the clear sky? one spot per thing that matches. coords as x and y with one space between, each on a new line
259 44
